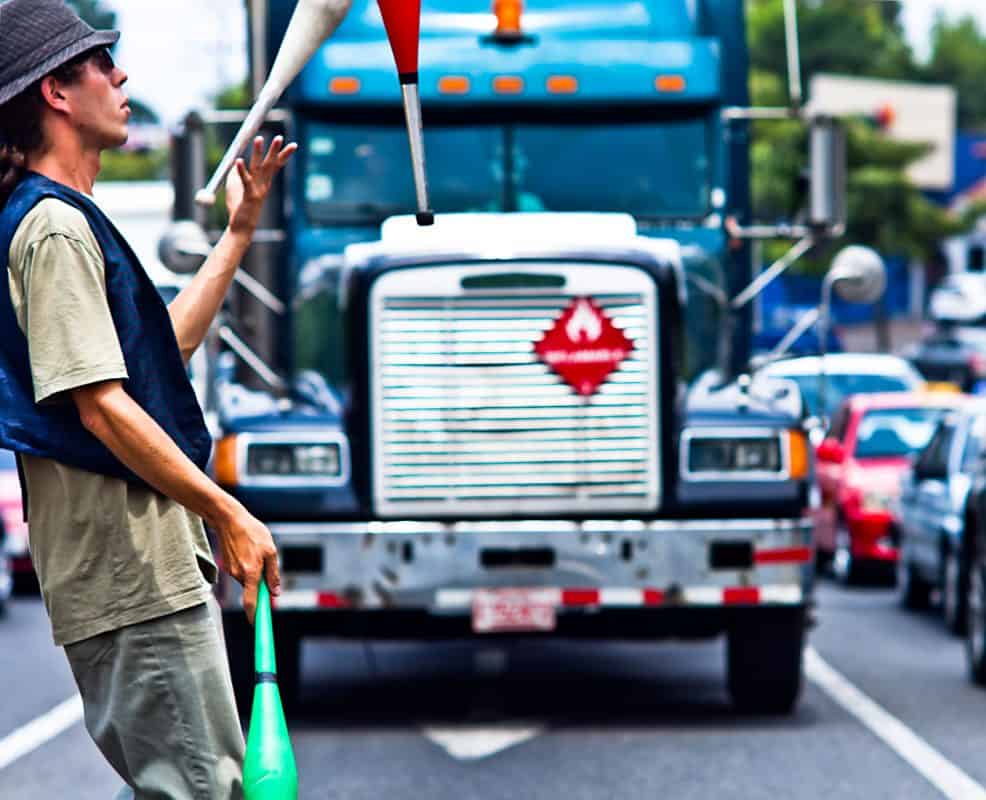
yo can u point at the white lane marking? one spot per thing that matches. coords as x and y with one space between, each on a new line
945 776
471 743
40 731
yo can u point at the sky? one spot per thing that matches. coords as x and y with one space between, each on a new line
178 52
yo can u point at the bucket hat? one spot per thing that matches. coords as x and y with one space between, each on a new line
39 36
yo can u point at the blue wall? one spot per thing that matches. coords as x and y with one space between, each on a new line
970 166
790 294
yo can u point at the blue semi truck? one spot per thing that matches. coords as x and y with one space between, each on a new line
533 418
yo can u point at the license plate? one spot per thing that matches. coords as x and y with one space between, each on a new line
514 610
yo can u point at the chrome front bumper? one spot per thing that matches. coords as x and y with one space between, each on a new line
437 566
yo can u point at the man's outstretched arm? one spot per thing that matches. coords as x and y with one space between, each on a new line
193 311
130 433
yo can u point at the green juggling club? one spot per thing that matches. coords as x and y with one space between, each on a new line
269 771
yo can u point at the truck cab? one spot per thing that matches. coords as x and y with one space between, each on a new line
527 419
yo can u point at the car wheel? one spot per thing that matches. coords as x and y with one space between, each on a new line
913 592
764 664
975 637
6 582
844 566
954 591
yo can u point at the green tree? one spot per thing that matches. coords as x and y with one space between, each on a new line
234 98
846 37
958 57
95 13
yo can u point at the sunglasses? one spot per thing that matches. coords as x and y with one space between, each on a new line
102 60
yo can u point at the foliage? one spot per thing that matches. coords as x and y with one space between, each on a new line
93 12
234 97
958 57
120 165
143 113
867 39
848 36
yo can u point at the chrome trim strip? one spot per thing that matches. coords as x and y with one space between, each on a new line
734 433
800 525
302 437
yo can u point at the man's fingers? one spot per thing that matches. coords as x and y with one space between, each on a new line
272 153
286 153
257 154
245 175
272 573
250 599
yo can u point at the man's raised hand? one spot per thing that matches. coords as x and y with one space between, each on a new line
248 186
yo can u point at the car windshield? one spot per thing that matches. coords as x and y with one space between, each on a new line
658 168
839 387
891 432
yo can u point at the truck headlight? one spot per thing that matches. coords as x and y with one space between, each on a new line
283 459
714 454
321 460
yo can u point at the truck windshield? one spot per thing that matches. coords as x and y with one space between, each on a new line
651 169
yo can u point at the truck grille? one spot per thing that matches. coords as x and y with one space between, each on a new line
468 421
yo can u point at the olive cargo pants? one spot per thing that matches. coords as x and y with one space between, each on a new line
159 704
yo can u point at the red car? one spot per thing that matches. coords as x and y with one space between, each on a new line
859 466
12 521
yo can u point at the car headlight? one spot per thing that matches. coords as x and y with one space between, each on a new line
728 455
877 501
283 459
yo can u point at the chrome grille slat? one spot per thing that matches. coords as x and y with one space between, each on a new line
508 426
468 420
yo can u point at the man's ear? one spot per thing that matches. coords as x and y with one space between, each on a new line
51 91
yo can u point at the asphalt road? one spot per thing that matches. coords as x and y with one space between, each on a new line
570 720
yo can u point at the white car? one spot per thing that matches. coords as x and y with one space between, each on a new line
845 374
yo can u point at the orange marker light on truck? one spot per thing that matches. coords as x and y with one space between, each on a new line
797 448
454 84
508 84
670 83
508 15
224 464
345 85
563 84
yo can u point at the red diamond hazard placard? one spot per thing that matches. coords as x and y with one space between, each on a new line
584 346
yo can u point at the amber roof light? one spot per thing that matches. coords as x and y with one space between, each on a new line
670 83
345 85
454 84
508 84
562 84
508 18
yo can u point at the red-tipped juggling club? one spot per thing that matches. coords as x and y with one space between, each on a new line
402 19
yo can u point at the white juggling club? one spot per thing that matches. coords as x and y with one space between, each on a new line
312 23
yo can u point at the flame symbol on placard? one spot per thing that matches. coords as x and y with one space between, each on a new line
584 324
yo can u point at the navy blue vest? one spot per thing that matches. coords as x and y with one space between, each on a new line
158 380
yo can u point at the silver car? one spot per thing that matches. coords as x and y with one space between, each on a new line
934 549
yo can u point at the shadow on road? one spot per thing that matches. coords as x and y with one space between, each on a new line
558 683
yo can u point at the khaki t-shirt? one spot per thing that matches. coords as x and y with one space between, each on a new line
107 553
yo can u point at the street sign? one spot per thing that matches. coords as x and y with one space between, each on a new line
907 112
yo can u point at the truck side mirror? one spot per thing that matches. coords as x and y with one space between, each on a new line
184 247
827 190
858 275
832 451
